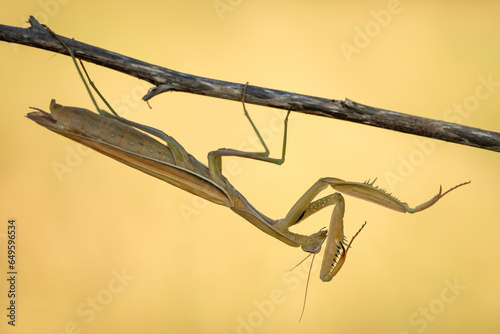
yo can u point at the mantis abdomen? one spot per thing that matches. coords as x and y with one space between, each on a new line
121 141
81 121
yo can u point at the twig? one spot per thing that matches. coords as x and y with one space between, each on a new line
166 80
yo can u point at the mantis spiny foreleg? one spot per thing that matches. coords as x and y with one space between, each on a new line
335 252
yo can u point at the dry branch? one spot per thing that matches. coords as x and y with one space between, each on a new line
166 80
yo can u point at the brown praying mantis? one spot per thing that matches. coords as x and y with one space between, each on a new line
133 144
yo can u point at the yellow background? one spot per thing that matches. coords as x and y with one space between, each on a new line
192 267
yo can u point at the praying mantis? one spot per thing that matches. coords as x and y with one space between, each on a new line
134 144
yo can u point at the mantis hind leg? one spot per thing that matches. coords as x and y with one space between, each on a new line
101 111
215 157
265 154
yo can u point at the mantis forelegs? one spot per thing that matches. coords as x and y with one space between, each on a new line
335 252
336 249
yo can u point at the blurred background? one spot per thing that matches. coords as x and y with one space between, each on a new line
103 248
